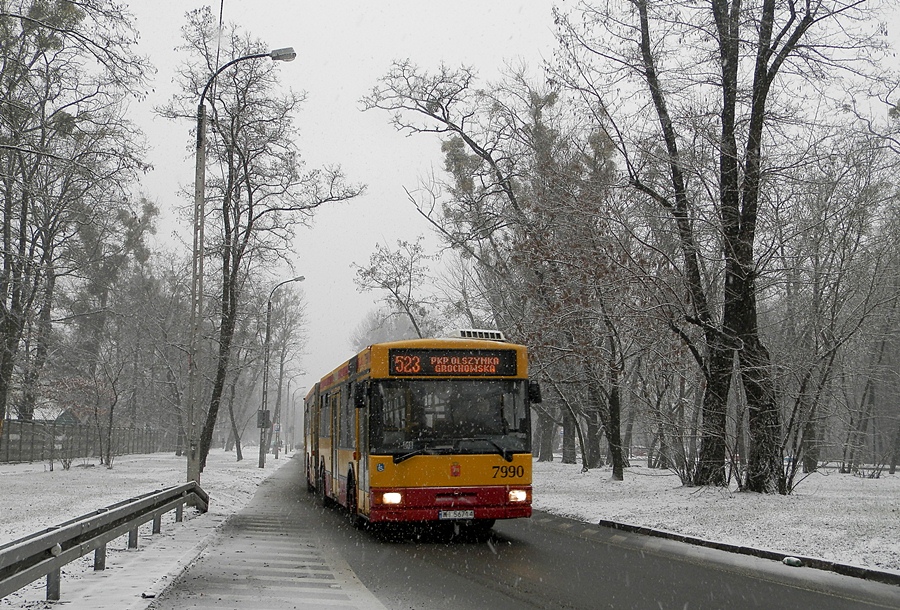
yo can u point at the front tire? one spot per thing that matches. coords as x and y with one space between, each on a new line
481 529
352 507
320 488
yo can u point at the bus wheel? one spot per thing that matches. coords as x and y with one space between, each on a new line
481 529
320 488
352 508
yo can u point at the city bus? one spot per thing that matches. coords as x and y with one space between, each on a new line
425 430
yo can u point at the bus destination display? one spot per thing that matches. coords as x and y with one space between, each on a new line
451 362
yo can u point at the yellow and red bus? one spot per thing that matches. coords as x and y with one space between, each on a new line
425 430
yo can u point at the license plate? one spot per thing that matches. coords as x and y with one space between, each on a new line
457 514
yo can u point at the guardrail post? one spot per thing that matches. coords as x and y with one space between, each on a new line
132 538
157 524
100 558
179 513
53 585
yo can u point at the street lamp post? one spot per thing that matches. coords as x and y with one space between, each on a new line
265 385
193 461
293 427
277 418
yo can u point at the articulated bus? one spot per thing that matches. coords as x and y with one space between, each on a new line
425 430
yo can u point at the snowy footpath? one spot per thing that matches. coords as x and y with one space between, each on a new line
839 518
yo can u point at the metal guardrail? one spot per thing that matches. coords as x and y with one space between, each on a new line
42 554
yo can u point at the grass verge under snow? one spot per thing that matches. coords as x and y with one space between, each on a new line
832 516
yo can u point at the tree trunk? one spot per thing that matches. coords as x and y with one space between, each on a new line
613 433
109 434
629 431
810 444
569 454
710 469
179 436
895 453
765 471
226 334
857 432
861 430
34 369
694 431
546 428
179 420
99 425
235 435
848 448
653 460
10 335
594 437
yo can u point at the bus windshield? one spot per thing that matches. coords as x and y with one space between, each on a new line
449 416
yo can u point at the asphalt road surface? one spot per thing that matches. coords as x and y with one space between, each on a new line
286 551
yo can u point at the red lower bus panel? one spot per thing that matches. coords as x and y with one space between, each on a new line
426 503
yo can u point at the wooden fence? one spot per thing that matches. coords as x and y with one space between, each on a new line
40 441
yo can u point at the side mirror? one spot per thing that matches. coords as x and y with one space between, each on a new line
534 392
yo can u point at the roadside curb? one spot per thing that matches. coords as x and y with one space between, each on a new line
186 559
882 576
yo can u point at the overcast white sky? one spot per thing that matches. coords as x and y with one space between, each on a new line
342 49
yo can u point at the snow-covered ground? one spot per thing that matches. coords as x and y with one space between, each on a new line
836 517
33 498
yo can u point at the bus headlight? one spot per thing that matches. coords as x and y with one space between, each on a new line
518 495
392 497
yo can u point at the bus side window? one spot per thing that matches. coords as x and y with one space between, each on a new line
347 420
360 391
333 406
324 418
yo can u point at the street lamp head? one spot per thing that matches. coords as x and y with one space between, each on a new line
285 54
299 278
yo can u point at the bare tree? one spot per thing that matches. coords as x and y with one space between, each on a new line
65 152
379 326
265 192
288 340
401 274
705 163
522 206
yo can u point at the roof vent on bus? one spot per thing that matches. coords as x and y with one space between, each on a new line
472 333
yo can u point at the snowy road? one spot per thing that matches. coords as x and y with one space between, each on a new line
284 551
270 555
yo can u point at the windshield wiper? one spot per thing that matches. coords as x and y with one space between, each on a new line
505 453
427 449
405 456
